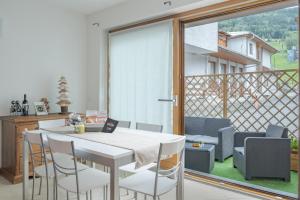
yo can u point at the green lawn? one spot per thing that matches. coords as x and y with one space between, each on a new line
226 170
279 60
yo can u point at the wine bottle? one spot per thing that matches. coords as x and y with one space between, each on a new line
25 106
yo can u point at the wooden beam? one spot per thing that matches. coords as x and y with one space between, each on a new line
178 76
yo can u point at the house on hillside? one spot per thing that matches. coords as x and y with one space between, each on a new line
210 51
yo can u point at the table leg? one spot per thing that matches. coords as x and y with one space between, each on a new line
25 169
92 165
114 181
180 186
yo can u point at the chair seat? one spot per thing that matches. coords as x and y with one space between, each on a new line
89 179
202 139
240 150
131 168
41 170
143 182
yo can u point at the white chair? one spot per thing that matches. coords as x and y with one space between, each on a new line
38 162
51 123
149 127
40 166
146 127
161 181
78 182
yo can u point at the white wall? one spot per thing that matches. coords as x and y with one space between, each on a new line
38 44
122 14
238 44
266 58
195 64
203 36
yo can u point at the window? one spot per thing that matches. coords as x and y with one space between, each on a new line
140 73
223 69
213 68
251 49
232 69
241 70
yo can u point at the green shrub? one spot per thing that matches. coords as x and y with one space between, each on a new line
294 143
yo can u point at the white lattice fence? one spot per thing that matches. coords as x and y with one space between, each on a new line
250 100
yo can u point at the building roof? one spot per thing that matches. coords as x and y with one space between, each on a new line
255 37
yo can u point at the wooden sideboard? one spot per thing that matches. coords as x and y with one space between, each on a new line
12 142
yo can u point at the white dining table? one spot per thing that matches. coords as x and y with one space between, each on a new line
104 154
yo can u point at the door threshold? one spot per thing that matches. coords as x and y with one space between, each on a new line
236 186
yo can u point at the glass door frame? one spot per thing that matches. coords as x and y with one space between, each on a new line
218 12
205 14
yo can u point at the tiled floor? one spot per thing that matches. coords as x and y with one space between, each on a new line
193 191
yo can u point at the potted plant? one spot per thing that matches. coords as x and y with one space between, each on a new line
294 154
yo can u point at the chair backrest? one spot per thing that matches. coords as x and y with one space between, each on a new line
212 125
166 151
276 131
149 127
205 126
66 168
39 157
124 124
51 123
63 147
194 125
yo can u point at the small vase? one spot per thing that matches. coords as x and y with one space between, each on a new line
64 109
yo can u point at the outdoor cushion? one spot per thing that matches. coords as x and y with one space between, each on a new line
194 125
212 126
240 150
202 139
274 131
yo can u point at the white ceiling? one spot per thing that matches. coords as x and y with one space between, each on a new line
85 6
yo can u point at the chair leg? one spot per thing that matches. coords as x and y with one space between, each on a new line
145 197
104 190
41 182
87 195
67 195
54 189
47 183
33 181
135 195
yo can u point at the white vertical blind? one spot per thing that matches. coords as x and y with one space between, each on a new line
141 73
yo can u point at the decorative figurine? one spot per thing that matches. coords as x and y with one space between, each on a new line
13 108
64 100
46 102
18 108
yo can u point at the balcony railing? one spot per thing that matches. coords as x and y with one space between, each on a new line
251 100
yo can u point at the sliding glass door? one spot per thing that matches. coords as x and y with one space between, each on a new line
140 75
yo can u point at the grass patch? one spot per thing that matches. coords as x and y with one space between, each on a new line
227 170
279 60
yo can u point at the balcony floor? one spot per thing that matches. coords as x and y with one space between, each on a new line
226 170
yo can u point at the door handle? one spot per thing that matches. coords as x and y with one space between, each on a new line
174 100
167 100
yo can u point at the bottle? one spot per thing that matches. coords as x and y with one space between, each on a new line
25 106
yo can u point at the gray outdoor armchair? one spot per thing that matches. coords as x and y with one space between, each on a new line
216 131
264 155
